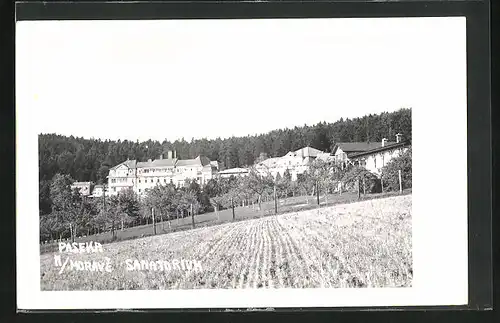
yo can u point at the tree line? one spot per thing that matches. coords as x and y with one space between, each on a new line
90 159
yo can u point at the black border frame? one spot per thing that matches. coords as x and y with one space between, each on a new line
478 94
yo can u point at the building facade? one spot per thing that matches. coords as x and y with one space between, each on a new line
375 159
85 188
373 156
98 191
140 176
237 172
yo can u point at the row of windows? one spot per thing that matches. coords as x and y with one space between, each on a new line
152 180
145 181
169 169
178 184
118 180
160 170
158 180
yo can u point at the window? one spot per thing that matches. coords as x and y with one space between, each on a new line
157 180
164 180
151 180
139 190
114 189
139 181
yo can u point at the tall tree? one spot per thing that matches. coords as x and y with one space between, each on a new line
66 203
258 182
321 173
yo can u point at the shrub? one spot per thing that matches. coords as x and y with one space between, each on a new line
350 180
390 174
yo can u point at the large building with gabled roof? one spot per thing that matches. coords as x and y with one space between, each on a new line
141 176
371 155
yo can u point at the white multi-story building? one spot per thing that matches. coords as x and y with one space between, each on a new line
141 176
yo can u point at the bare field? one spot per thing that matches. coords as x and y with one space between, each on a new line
364 244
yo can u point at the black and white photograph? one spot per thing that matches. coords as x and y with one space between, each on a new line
242 155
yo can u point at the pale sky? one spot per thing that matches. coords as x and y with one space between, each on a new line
209 78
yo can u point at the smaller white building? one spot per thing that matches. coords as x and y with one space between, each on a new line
85 188
98 191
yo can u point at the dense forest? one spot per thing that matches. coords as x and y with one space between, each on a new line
90 159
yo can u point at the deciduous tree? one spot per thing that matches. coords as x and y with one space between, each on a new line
390 173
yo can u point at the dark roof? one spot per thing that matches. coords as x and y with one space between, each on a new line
204 160
128 163
389 146
163 162
351 147
198 161
143 164
157 163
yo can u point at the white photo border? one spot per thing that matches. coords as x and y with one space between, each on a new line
440 236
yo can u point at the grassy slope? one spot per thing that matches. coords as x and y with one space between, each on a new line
208 219
365 244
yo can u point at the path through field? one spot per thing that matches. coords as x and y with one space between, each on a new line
365 244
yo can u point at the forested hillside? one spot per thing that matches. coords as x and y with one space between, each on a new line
90 159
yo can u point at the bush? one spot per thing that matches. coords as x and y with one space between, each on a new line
350 180
390 173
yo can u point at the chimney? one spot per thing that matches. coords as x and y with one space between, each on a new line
161 156
149 160
399 137
384 140
169 154
175 154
